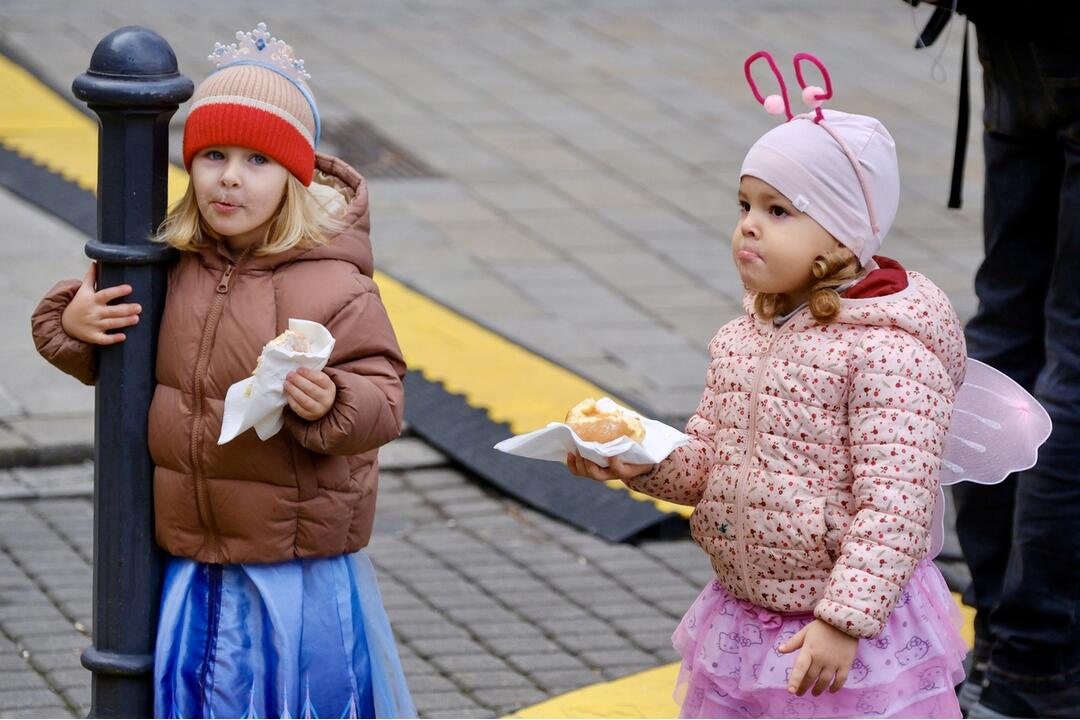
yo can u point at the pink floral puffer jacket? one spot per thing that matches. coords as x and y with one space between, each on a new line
815 453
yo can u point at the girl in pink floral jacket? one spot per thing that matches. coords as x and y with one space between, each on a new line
815 451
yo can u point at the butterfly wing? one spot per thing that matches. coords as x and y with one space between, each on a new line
997 428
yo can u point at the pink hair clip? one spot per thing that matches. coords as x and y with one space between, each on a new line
813 95
774 104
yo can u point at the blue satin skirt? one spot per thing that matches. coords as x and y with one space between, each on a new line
305 638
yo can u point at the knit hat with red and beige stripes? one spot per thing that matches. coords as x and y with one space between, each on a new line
256 99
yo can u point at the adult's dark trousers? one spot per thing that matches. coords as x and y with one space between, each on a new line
1021 539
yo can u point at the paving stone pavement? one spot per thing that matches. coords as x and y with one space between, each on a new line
495 606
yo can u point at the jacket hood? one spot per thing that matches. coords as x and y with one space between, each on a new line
352 244
921 309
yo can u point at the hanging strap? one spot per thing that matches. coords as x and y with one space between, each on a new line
937 22
963 116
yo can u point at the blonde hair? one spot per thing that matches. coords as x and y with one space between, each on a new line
301 221
829 270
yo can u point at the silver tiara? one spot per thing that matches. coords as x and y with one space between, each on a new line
260 48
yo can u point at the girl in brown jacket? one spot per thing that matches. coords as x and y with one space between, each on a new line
268 609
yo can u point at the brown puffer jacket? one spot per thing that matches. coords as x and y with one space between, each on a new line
309 491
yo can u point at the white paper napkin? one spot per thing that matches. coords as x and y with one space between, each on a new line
557 439
258 401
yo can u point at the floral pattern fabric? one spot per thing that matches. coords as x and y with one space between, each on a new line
815 453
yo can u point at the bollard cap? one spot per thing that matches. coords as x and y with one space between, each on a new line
133 67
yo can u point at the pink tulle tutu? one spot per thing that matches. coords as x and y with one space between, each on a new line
731 667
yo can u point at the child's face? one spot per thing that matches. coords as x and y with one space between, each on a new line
238 191
774 244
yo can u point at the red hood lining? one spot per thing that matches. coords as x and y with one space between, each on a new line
889 278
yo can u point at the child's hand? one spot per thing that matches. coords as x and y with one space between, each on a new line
616 468
310 393
826 652
89 315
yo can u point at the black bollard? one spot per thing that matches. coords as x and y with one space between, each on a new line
134 86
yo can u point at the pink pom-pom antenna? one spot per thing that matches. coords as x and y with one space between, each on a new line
810 96
813 95
774 104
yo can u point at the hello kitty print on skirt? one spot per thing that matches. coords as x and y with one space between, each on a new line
731 667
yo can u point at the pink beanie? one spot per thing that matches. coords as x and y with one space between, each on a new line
805 161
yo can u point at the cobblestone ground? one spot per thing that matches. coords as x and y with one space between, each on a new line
495 606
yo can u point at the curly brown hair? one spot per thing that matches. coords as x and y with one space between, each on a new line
830 270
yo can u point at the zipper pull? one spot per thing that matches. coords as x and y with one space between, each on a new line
223 284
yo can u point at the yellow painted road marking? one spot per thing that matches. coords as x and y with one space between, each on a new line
41 126
487 368
512 384
968 614
642 695
648 694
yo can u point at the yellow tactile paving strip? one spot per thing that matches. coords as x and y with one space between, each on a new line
464 357
446 348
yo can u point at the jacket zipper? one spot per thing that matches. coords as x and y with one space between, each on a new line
740 488
202 493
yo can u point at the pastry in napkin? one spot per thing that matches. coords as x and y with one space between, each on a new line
258 401
557 439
